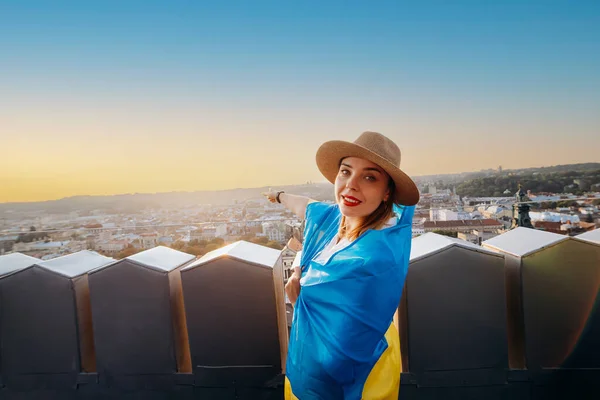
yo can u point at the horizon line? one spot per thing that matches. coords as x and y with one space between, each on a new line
274 186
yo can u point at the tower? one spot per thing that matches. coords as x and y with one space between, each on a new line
521 210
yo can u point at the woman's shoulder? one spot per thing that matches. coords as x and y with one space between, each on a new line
318 210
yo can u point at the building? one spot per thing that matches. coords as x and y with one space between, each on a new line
275 231
288 254
476 236
7 243
209 232
495 212
417 231
554 217
149 240
93 228
165 240
448 215
465 225
294 229
471 201
41 249
112 247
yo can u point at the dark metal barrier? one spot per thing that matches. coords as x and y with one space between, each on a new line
454 307
556 285
559 285
46 331
139 322
232 316
10 264
521 323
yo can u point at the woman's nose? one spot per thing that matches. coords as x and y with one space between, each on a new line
352 183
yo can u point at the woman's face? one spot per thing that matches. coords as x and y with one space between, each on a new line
360 187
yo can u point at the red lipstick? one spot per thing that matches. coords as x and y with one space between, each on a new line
350 201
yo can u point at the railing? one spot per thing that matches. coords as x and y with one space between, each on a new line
517 318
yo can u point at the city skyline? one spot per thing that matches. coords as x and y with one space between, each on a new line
107 98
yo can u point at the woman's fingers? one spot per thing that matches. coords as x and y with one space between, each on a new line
292 289
270 195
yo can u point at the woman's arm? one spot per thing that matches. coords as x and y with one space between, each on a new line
295 203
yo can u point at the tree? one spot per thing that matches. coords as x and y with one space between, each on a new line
566 203
30 237
260 240
178 245
274 245
75 236
32 229
195 250
248 237
210 247
218 241
128 251
446 233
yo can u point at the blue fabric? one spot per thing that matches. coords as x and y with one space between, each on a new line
346 305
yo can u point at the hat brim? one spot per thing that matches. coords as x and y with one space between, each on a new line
331 153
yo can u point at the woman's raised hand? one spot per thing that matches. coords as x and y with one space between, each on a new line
271 195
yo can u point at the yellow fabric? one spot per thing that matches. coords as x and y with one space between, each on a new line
383 382
288 395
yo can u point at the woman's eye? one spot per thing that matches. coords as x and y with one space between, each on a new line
370 178
344 172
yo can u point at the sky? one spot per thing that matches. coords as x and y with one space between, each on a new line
109 97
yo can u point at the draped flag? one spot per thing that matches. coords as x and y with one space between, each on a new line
343 344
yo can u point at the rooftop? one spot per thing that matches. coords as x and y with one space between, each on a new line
462 222
76 264
221 331
592 236
162 258
14 262
523 241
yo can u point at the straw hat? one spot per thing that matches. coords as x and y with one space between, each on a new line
376 148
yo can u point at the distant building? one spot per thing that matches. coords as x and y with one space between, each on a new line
554 217
448 215
40 249
275 231
112 247
294 229
236 229
7 243
548 226
288 254
471 201
93 228
477 236
165 240
209 232
495 212
105 235
484 225
187 229
149 240
417 230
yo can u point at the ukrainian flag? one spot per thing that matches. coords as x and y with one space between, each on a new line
343 343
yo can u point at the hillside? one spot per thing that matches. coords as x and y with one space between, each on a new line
129 203
575 179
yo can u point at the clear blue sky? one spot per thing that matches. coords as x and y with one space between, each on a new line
438 77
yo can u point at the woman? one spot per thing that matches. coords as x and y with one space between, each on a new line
343 343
